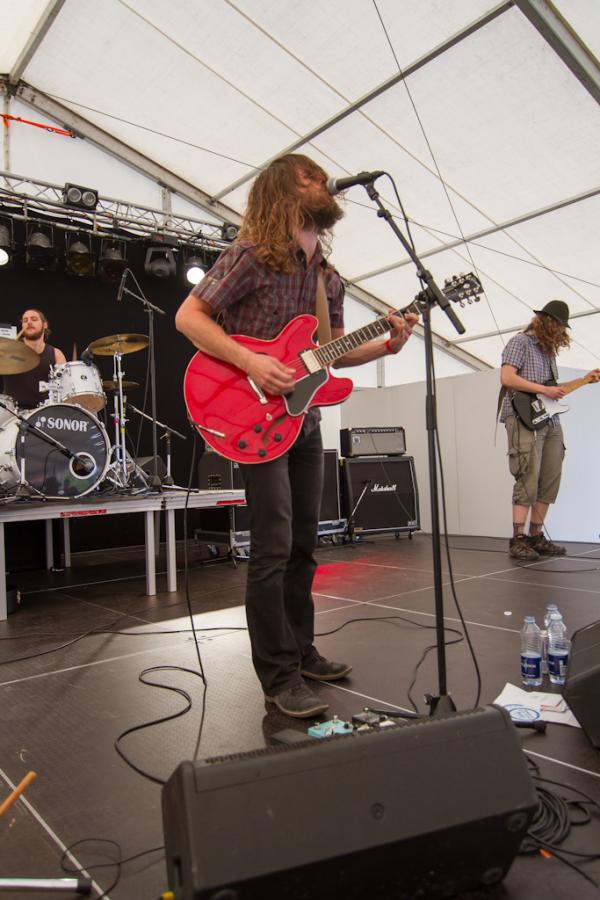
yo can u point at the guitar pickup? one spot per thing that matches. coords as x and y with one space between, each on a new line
310 361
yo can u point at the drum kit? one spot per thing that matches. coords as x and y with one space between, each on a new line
60 450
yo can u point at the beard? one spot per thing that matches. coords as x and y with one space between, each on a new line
34 335
321 212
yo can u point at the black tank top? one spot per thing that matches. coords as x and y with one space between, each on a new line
24 388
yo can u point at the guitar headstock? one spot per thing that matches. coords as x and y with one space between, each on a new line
463 288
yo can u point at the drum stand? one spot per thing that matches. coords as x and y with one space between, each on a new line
168 478
119 467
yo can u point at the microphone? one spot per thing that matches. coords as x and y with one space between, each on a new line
87 356
335 185
82 464
122 285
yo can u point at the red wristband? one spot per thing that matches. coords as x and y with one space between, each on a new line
388 347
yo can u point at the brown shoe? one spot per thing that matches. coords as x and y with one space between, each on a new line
544 547
298 701
519 547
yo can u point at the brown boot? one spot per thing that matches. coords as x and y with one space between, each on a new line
544 547
519 547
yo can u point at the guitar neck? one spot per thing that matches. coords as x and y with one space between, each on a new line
578 383
333 350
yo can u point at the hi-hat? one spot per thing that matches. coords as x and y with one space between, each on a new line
112 385
118 343
16 357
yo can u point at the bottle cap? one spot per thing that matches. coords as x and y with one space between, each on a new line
529 619
555 617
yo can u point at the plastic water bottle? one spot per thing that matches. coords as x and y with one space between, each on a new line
552 607
531 653
558 649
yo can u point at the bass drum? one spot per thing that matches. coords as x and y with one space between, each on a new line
48 471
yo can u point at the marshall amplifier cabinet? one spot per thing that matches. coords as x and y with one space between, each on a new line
380 494
372 441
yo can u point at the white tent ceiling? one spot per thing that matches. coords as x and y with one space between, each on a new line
492 135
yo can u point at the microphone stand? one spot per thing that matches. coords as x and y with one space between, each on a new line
150 309
432 294
168 479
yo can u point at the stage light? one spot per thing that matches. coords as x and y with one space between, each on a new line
112 260
160 262
79 257
229 232
195 268
40 252
6 243
81 197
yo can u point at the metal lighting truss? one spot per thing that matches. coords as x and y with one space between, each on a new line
28 200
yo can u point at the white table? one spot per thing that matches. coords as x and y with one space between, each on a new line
149 504
176 499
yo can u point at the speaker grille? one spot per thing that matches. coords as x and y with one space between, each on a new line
380 494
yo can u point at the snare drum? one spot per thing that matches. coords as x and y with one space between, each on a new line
6 415
49 472
77 382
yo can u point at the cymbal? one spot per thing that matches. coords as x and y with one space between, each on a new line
118 343
111 385
16 357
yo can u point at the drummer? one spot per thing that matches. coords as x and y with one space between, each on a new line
25 388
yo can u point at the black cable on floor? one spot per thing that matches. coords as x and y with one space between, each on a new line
119 862
554 819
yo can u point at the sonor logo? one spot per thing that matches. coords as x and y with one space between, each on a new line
60 424
382 488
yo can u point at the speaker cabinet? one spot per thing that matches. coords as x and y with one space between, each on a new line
330 499
380 494
582 684
428 809
217 473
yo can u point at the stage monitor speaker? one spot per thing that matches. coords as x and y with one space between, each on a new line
582 684
380 494
428 809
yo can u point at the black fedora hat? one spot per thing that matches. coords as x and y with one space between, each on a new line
556 309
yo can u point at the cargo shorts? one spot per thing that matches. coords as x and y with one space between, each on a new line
535 459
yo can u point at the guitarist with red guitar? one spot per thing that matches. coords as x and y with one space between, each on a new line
530 412
253 392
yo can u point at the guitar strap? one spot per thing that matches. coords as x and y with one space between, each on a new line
322 310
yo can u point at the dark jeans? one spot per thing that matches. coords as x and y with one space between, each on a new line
284 497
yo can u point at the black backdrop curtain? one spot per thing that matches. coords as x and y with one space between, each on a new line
81 309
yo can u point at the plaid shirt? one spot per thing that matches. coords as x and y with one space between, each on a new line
249 298
531 362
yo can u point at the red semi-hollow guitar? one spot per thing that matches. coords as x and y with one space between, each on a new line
242 423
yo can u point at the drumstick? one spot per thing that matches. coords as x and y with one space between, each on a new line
4 807
19 334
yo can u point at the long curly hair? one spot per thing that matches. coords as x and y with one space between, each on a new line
551 335
274 211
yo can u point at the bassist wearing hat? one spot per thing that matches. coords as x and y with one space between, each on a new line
535 438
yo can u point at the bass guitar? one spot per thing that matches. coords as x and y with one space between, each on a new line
536 410
241 422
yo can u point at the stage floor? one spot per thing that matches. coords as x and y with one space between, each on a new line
62 711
